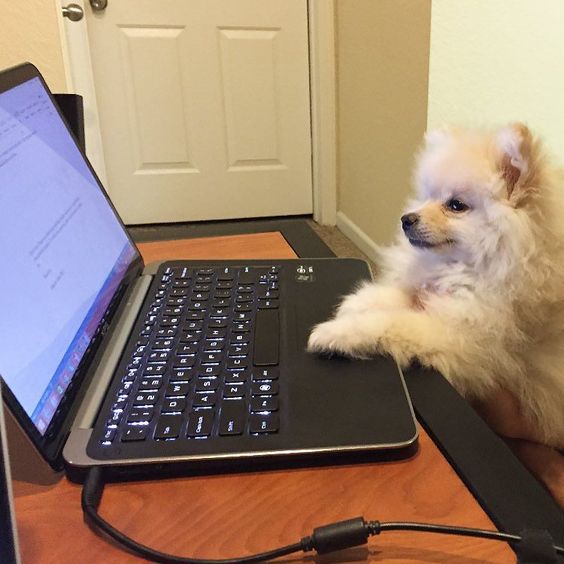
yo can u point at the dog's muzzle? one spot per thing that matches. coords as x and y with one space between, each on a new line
417 235
408 221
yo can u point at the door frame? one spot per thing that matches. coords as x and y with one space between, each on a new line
321 23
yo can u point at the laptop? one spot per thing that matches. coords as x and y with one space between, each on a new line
178 367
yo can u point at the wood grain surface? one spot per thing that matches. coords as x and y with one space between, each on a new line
262 245
234 515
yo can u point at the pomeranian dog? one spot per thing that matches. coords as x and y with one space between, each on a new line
474 286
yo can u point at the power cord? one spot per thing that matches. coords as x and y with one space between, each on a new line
329 538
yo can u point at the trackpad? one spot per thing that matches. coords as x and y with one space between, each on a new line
310 313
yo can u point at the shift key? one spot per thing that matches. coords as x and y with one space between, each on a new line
233 415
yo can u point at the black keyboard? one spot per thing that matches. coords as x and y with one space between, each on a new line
206 360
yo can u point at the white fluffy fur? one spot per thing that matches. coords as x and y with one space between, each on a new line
483 301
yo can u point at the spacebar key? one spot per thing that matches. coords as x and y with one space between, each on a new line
267 338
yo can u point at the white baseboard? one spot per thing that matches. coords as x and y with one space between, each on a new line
358 237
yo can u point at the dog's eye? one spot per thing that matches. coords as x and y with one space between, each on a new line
456 205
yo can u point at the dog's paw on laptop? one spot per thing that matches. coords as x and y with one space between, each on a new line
333 337
344 336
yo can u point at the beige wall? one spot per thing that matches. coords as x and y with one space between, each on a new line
382 77
29 31
493 62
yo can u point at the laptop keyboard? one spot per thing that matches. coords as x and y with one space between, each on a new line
205 363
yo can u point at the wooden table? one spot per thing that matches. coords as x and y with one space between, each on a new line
234 515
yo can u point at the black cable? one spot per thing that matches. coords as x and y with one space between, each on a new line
156 556
448 530
329 538
91 497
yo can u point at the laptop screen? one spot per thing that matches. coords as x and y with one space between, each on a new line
63 252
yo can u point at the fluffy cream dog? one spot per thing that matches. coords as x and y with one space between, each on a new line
474 286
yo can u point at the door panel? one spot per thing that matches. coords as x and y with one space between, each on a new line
249 91
161 138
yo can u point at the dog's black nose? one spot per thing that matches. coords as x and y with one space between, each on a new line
408 220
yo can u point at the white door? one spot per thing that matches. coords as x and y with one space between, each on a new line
204 107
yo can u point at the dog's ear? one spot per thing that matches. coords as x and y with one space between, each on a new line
515 144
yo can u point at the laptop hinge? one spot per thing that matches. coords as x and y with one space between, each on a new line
112 355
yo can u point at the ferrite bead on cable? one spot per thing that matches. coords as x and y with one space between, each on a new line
340 535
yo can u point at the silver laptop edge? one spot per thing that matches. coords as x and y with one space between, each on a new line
12 516
105 371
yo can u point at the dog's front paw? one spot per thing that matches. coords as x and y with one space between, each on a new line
336 336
